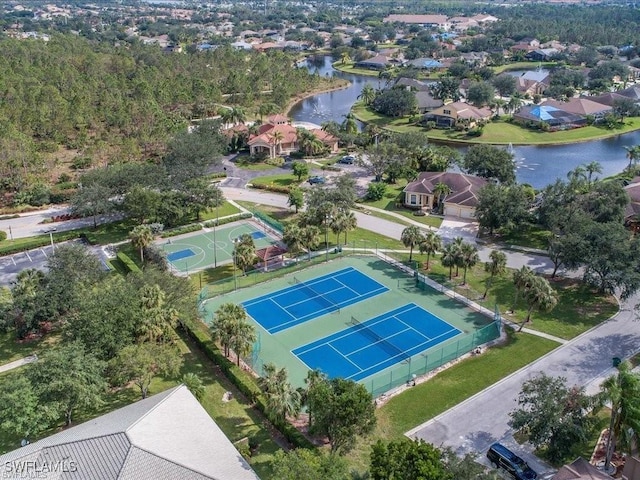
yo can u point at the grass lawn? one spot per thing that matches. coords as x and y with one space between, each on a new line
531 236
579 307
255 167
388 202
280 180
448 388
236 418
499 132
12 349
522 66
350 68
222 211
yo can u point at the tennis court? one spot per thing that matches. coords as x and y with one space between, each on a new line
379 327
192 252
309 299
371 346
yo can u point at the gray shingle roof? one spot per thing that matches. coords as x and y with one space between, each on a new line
168 435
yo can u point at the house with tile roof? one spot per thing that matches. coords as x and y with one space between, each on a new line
447 115
166 436
580 469
461 202
278 137
581 106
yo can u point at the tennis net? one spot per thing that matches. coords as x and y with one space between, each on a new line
369 332
329 303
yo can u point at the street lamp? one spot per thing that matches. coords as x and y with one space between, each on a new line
326 236
215 243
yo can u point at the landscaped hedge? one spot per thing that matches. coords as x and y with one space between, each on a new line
271 187
225 220
23 244
241 379
129 264
194 227
3 235
331 168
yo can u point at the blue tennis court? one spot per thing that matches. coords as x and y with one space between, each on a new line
180 254
371 346
304 301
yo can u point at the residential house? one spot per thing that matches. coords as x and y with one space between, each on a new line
412 84
533 82
632 213
167 435
483 18
475 58
426 102
555 117
242 46
278 137
632 92
631 470
438 21
541 54
608 98
461 202
447 115
580 469
462 24
581 106
426 64
379 62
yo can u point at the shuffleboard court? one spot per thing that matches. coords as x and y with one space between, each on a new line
366 348
312 298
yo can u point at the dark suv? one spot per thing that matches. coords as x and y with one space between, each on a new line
501 457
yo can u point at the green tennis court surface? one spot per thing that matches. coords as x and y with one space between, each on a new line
400 331
191 252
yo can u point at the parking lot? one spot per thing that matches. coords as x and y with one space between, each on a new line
11 265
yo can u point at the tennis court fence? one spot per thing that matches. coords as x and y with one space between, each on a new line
421 364
335 308
271 222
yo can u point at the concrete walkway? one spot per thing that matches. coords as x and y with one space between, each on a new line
18 363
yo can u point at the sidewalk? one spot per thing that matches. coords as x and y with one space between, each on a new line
18 363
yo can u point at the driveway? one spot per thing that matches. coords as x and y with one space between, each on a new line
453 227
585 361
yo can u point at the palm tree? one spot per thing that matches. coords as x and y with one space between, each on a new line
345 58
495 267
141 237
267 109
157 320
591 168
578 175
309 238
292 238
430 244
368 94
514 104
448 257
222 327
633 154
337 225
194 384
539 295
441 190
458 244
238 115
411 237
350 223
243 339
313 378
350 125
521 279
244 254
623 391
282 399
468 259
276 138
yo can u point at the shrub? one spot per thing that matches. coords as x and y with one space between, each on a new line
376 191
156 228
276 161
80 163
225 220
180 230
331 168
157 257
129 264
3 235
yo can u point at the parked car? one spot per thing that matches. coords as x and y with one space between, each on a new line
347 159
316 179
501 457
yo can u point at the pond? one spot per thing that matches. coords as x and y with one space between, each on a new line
536 165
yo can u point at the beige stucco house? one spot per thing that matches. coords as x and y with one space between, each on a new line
462 200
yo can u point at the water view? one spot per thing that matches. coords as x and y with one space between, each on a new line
536 165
